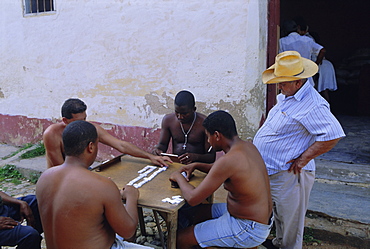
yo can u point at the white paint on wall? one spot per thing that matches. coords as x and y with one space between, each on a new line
128 59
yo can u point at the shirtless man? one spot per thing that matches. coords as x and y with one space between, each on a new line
184 127
75 109
248 204
79 208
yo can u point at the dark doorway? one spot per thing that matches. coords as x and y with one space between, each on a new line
343 29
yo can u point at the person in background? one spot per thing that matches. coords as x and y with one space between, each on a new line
302 44
325 80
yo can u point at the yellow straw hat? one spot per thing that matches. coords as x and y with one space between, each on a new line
289 66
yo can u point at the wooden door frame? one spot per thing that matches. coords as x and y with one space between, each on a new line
273 19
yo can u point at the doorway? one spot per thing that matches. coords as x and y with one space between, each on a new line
342 27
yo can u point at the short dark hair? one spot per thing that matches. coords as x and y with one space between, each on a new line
185 98
301 22
222 122
289 26
77 136
73 106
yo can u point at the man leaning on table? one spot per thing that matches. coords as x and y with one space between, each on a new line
298 128
244 220
75 109
82 209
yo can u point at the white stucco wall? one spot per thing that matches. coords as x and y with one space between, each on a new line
128 59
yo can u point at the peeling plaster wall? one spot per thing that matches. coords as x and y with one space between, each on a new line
128 59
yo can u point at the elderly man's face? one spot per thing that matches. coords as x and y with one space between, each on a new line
289 88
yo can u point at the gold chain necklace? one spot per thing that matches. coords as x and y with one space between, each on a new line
186 134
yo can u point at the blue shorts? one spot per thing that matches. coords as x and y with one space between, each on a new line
227 231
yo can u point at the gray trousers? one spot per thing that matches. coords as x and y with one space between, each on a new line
290 194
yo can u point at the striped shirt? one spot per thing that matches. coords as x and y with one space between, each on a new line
292 126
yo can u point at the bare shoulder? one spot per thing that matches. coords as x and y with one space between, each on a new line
103 188
75 177
47 177
54 129
226 162
97 126
169 119
100 182
103 134
243 152
201 116
49 173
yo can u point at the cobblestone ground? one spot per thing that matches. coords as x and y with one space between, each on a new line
27 188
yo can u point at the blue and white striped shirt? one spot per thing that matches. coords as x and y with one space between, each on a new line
292 126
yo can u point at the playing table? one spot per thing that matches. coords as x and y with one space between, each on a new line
123 169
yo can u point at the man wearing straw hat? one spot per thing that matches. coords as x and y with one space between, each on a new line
298 128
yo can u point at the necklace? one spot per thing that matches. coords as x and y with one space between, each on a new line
186 134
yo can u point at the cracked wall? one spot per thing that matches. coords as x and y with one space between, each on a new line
127 60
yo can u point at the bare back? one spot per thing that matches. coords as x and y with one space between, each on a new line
243 173
78 208
52 138
248 187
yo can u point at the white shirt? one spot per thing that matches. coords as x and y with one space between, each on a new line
304 45
293 125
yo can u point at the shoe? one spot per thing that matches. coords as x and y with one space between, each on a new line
268 244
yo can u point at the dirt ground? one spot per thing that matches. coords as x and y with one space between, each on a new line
328 246
327 232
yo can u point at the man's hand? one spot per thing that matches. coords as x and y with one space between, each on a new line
297 165
188 158
129 192
160 160
26 213
316 149
157 152
7 223
188 169
174 176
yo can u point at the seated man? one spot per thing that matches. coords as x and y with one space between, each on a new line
75 109
184 127
79 208
244 220
12 212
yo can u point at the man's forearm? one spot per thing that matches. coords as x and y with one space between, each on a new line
318 148
9 200
133 150
320 56
131 208
186 189
204 167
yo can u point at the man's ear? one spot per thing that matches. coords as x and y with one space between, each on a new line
65 120
91 147
217 135
195 108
